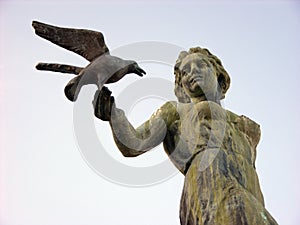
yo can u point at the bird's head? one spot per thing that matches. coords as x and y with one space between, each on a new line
134 68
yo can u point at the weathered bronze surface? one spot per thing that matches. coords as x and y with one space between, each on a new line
213 148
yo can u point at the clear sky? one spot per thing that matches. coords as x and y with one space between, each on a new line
43 176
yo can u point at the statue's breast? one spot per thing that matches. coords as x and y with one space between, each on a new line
207 125
199 126
203 125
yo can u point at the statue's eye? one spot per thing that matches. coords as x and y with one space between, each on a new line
185 73
186 69
203 65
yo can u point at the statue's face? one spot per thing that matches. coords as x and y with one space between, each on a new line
198 76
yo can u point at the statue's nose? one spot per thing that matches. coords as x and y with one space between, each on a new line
195 69
196 72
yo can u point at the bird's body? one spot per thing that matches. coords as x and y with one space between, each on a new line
115 68
96 73
103 67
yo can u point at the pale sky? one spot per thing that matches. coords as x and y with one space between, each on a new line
44 178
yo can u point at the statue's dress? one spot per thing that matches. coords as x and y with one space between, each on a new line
215 149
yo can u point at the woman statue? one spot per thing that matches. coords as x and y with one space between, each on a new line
213 148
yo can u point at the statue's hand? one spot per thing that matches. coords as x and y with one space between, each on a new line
103 103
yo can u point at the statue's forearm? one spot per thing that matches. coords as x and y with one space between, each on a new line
133 142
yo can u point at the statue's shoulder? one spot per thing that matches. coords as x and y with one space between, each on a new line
170 105
247 126
168 112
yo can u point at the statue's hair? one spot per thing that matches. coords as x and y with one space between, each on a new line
222 75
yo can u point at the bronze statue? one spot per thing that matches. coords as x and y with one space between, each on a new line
103 67
213 148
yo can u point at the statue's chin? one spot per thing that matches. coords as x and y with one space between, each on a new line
195 91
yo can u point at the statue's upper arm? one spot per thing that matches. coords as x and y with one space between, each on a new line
159 122
251 129
167 112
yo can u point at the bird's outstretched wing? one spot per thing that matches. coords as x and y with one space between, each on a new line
87 43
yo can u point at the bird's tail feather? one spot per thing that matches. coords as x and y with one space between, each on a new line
55 67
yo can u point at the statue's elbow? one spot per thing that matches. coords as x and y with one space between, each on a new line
130 154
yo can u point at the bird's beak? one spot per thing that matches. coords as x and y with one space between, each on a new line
139 71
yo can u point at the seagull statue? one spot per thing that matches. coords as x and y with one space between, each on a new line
103 67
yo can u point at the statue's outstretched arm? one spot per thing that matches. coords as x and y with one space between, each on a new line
130 141
133 142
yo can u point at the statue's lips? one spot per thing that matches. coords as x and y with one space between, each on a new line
195 79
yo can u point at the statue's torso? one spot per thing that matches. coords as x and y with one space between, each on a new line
215 150
206 129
